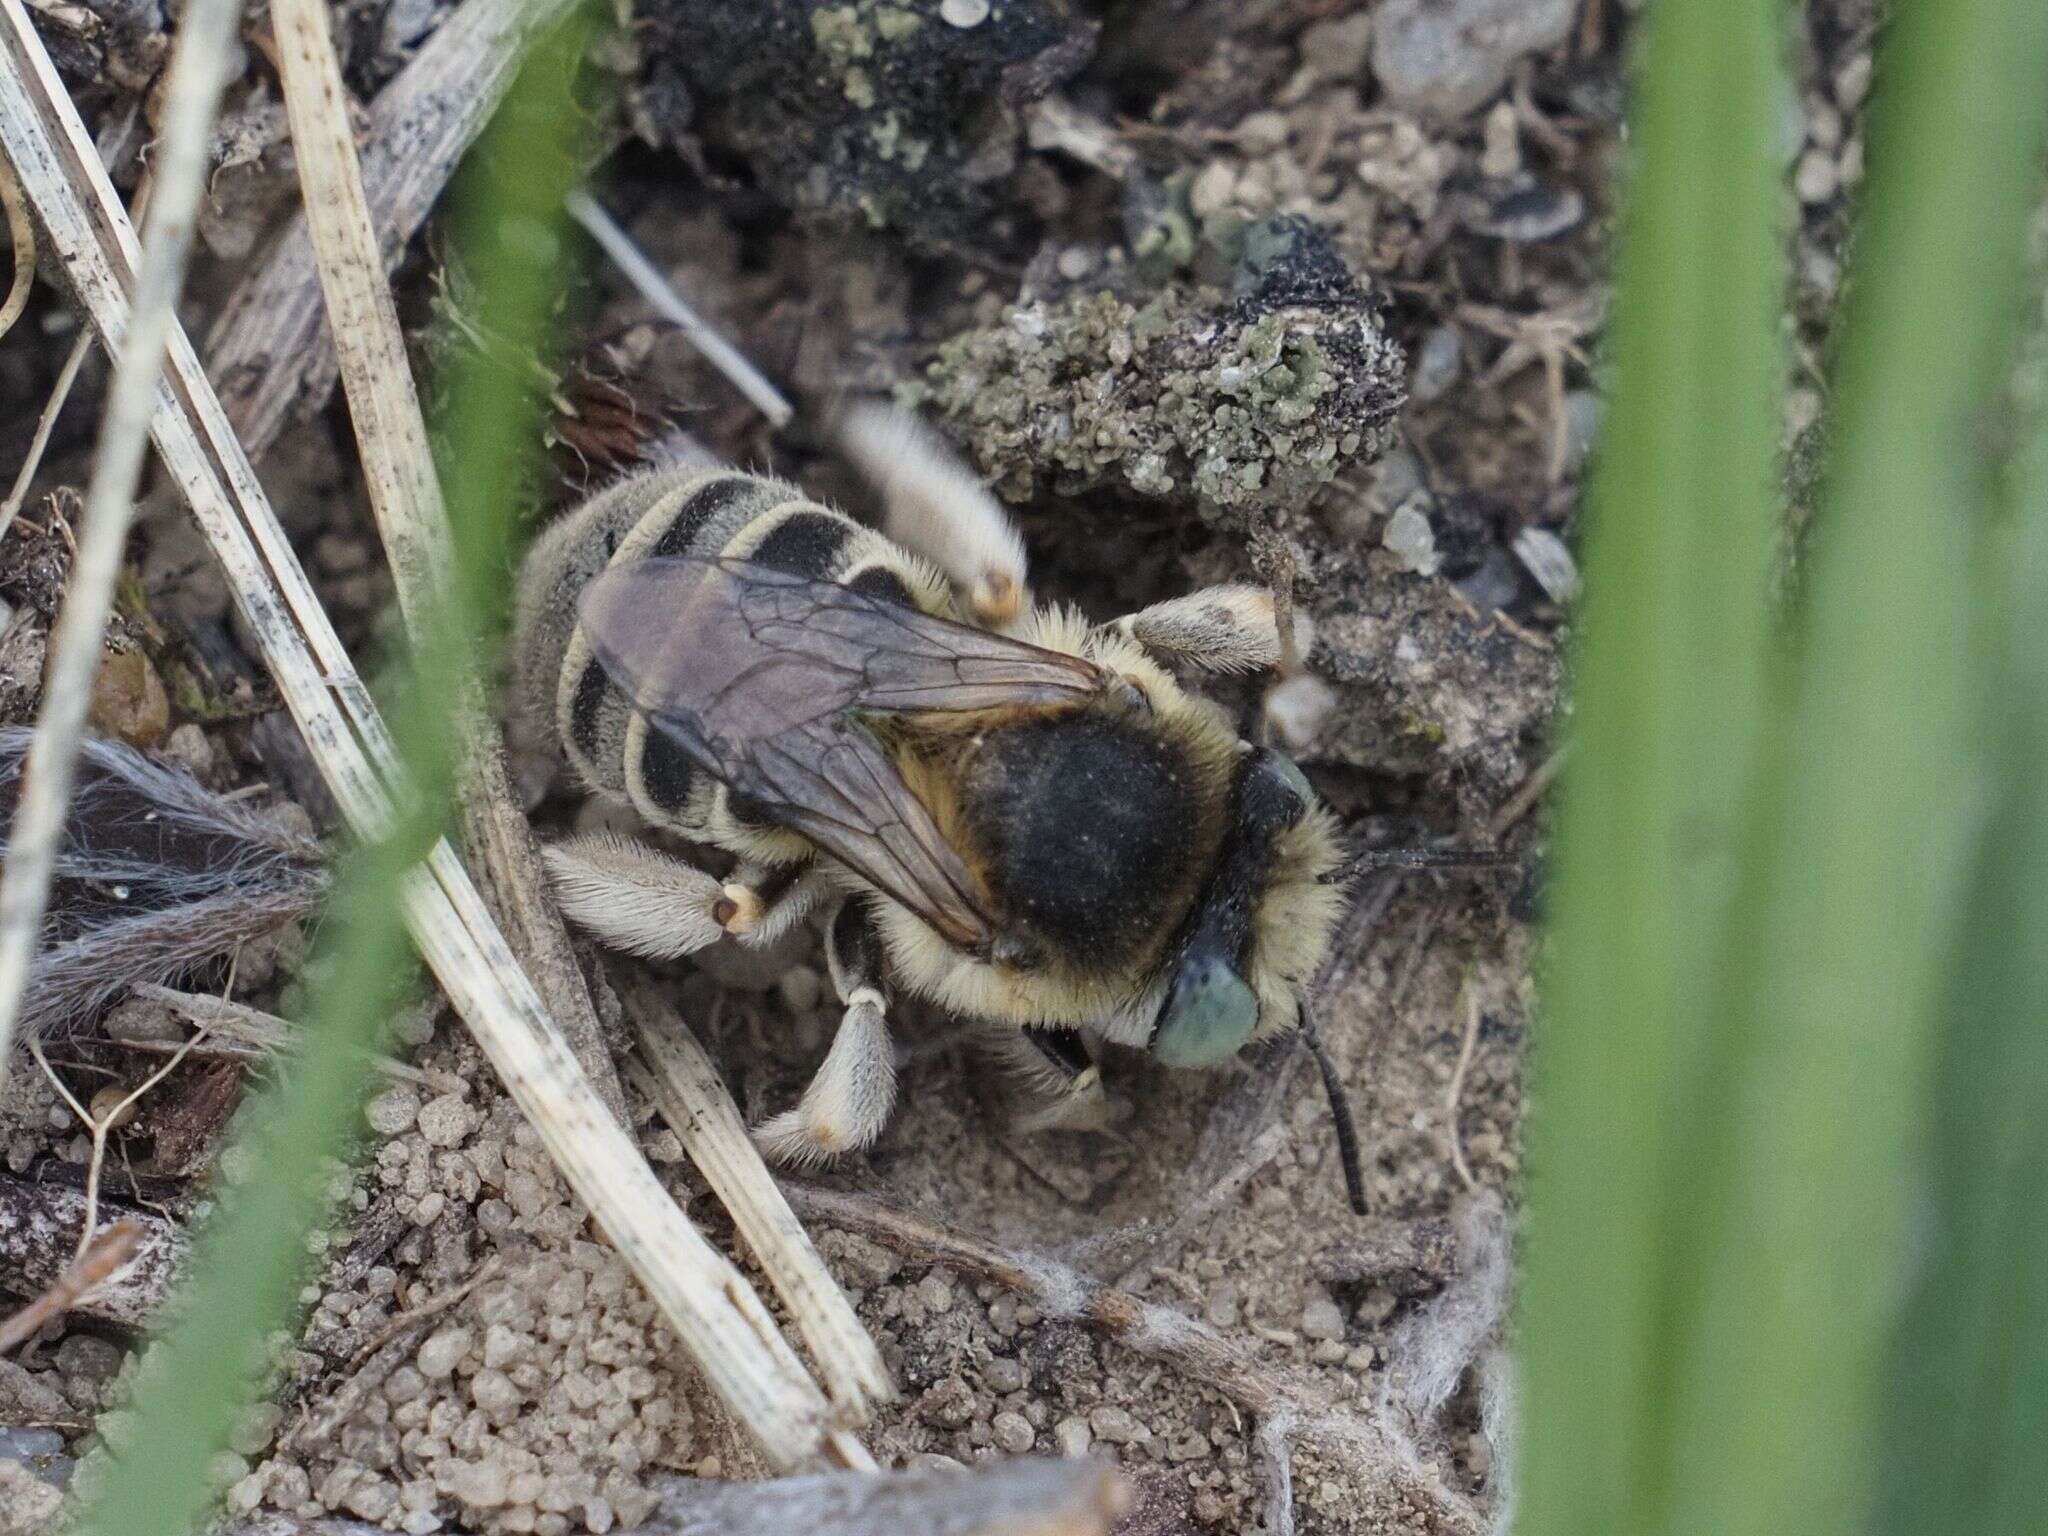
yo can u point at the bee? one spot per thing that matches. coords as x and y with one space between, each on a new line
1024 818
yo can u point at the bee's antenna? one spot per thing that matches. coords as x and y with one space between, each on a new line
1340 1111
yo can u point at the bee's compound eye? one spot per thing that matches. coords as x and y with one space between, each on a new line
1209 1012
1288 772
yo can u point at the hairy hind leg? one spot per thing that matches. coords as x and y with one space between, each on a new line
850 1096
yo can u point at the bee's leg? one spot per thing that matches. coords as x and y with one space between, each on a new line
937 507
1228 628
1079 1102
848 1100
633 898
760 903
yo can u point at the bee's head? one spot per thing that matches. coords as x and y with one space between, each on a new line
1260 926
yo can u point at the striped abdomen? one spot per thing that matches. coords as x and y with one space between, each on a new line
670 513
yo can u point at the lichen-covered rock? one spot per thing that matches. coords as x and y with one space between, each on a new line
899 113
1232 402
1430 686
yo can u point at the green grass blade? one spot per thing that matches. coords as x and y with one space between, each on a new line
1807 1156
1669 683
1969 1429
252 1257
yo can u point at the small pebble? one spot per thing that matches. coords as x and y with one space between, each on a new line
29 1445
1852 82
128 698
1073 1438
963 13
1115 1426
1210 191
1263 132
1013 1433
447 1121
1550 562
1443 58
1410 539
1076 262
1322 1318
947 1404
1816 180
1299 708
1437 363
1221 1309
443 1351
1005 1375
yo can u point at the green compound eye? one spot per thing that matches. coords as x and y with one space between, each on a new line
1208 1016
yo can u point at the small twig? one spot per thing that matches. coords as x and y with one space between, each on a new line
658 291
197 76
1457 1087
686 1088
1523 800
96 1264
381 1355
45 425
250 1034
1274 1444
99 1126
1064 1294
66 376
23 229
1053 122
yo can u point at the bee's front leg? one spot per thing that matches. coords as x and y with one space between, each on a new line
848 1100
1079 1101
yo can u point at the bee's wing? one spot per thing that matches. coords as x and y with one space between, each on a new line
756 675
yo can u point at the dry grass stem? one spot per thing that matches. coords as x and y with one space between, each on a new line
685 1086
22 230
270 346
658 291
1202 1353
753 1369
191 100
97 1263
412 518
1457 1086
236 1030
718 1319
1027 1496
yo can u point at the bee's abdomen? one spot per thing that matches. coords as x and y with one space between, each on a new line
1089 830
673 513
